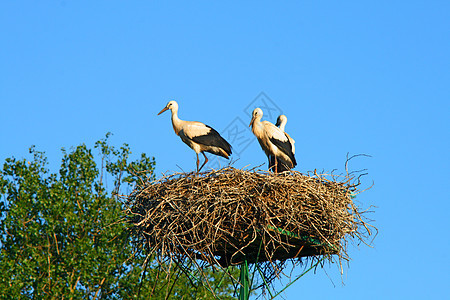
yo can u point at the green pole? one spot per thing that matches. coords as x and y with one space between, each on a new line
244 281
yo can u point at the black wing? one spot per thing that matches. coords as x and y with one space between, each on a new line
286 148
213 138
281 166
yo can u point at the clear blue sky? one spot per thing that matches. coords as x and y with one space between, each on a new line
369 78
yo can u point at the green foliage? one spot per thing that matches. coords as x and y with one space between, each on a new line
64 235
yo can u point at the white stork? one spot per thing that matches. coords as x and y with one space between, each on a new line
198 136
281 123
273 141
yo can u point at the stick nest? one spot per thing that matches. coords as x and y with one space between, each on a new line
226 216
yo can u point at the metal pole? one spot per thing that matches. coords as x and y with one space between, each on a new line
244 281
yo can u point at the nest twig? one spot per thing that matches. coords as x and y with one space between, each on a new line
226 216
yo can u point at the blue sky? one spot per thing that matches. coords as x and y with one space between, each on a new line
351 77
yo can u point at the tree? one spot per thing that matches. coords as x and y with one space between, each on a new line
64 236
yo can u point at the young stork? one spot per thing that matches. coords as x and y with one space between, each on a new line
281 123
198 136
273 141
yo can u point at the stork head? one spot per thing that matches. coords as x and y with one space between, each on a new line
256 115
281 121
172 105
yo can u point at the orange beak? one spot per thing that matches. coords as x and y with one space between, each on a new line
163 110
251 122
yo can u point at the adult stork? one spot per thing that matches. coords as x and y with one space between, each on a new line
273 141
200 137
281 123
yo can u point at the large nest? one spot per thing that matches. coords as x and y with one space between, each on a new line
226 216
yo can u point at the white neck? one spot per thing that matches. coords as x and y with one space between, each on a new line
176 122
257 127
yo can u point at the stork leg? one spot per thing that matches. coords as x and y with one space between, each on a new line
198 162
276 165
206 160
271 163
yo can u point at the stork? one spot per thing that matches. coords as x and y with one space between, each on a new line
273 141
200 137
281 123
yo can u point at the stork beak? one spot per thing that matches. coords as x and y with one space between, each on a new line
163 110
251 122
